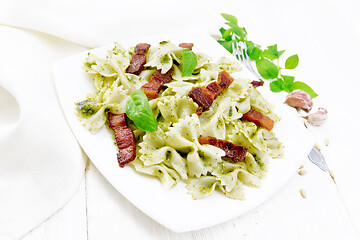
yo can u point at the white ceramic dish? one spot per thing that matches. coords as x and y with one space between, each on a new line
174 208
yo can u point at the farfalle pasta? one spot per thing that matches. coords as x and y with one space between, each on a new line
173 152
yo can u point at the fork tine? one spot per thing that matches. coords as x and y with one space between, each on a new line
240 52
236 53
249 63
246 58
244 53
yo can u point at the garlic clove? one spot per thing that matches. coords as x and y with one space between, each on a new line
299 99
317 118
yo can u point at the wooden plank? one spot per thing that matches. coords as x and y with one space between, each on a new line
68 223
339 155
285 216
343 162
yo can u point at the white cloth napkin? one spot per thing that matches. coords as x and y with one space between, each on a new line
41 164
97 22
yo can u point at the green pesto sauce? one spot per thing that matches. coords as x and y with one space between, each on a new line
165 59
230 112
258 161
85 109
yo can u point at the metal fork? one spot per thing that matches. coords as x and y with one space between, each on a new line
240 52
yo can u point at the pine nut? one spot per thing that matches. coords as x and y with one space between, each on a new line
303 193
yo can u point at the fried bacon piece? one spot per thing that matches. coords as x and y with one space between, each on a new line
259 119
156 83
256 83
142 48
235 152
138 59
204 96
186 45
224 80
124 137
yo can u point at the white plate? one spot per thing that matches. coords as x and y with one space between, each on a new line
174 208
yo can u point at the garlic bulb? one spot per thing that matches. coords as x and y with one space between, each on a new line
317 118
299 99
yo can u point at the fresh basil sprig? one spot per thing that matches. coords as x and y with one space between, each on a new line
287 84
139 111
189 62
264 58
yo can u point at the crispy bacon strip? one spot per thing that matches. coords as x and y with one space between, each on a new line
142 48
138 59
259 119
156 83
256 83
124 137
224 80
235 152
186 45
204 96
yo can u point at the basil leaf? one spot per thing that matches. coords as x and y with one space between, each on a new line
288 82
249 44
288 79
253 51
241 32
277 86
273 50
272 53
292 62
189 62
305 88
139 111
268 54
222 30
227 35
228 45
230 18
267 69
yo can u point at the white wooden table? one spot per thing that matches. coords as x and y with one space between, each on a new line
98 211
330 210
